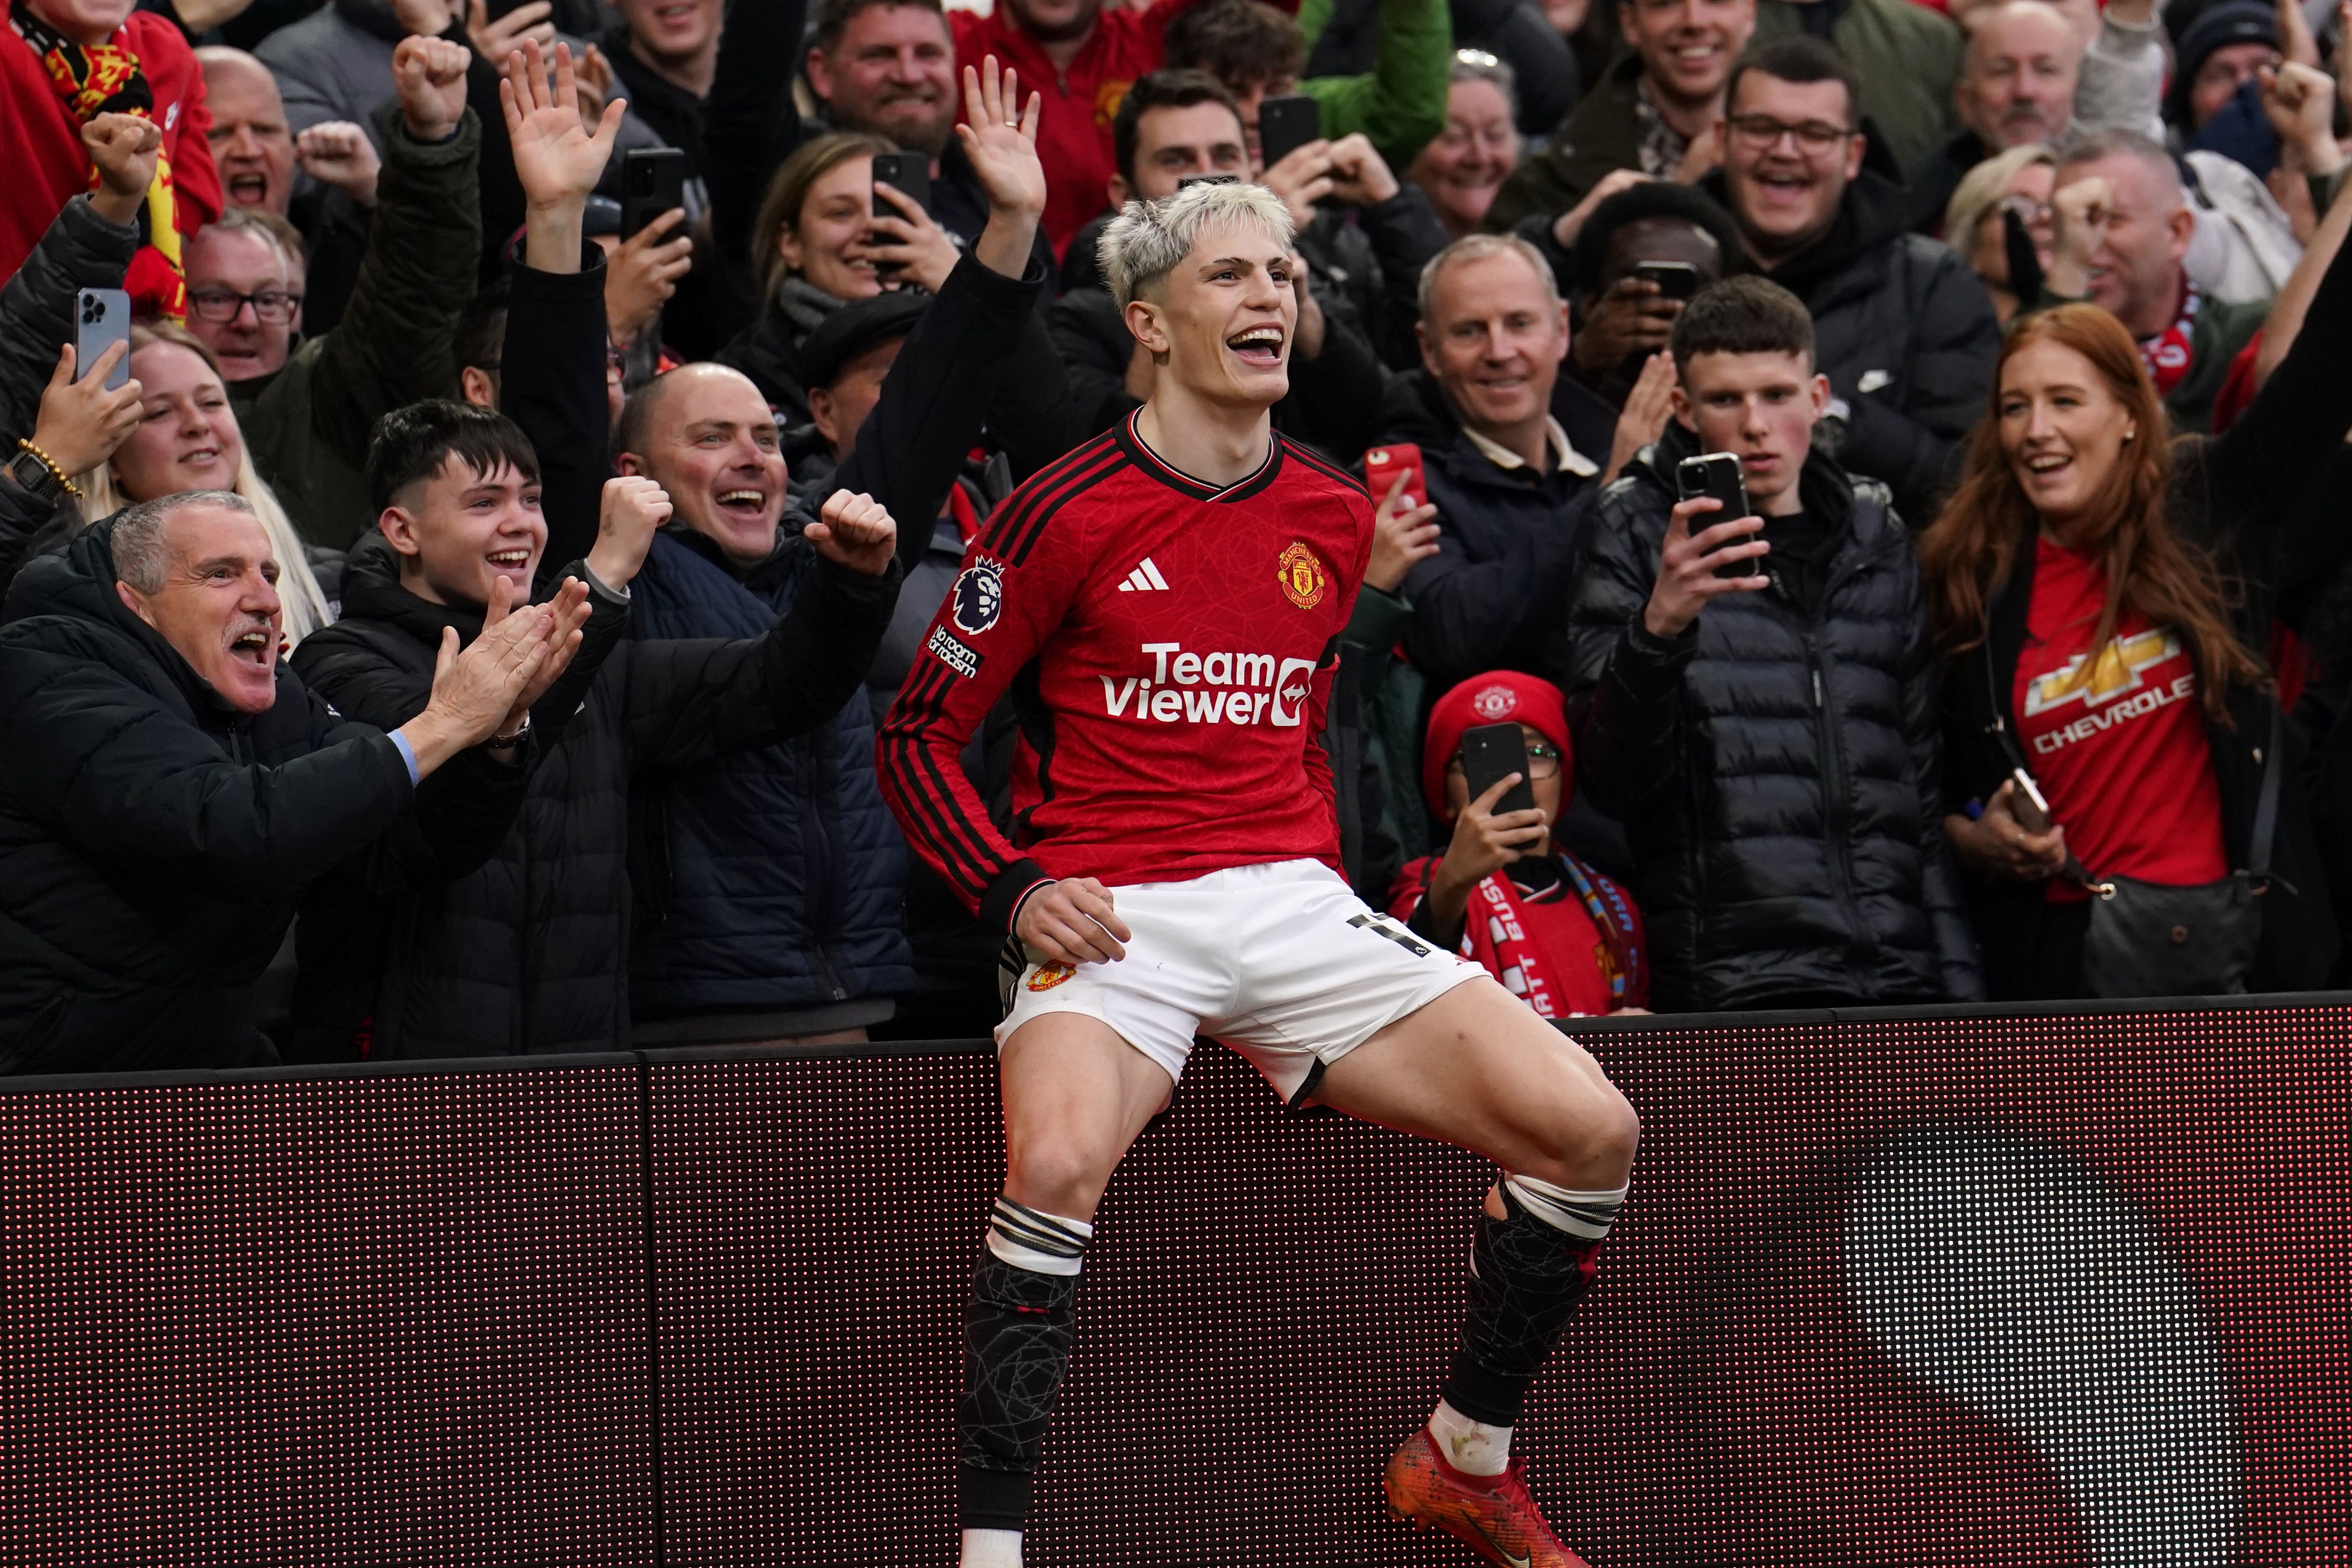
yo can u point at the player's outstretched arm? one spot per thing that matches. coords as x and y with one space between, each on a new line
1071 922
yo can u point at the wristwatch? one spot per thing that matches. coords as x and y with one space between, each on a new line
35 476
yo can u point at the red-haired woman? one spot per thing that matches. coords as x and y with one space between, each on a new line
2099 591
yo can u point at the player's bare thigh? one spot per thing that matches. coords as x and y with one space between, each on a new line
1075 1096
1477 1068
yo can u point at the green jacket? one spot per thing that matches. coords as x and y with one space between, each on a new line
1908 57
308 423
1400 104
1598 136
2220 332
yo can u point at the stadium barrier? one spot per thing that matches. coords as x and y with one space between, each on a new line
1932 1287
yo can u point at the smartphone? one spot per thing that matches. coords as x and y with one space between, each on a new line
102 319
652 181
1383 463
1491 751
908 173
1675 280
1285 125
1716 474
2032 811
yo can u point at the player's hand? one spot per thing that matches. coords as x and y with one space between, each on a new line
1687 579
633 508
1402 535
855 531
1071 922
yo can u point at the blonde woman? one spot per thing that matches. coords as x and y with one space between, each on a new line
1976 225
187 439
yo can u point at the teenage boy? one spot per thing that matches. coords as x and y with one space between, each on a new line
1756 695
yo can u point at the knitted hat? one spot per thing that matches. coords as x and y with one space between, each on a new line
1498 697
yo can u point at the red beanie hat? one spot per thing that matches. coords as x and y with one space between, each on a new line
1498 697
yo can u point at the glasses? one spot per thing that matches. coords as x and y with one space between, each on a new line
1761 133
274 306
2029 211
1543 762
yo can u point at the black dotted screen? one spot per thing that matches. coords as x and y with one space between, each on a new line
1961 1291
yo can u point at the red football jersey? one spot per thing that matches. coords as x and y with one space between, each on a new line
1170 647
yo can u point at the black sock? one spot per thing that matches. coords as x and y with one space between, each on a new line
1017 1345
1527 1277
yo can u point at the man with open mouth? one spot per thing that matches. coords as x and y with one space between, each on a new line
1164 606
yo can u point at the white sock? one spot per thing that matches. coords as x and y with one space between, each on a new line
992 1549
1587 1216
1471 1446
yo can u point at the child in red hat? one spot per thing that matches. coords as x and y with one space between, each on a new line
1560 935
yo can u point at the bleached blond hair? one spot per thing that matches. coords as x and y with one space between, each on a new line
1149 240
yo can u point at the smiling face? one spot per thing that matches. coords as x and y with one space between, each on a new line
1494 339
218 603
2018 85
711 443
1687 45
459 531
893 74
1463 169
2062 428
833 223
673 31
1760 407
252 147
1785 190
241 261
1173 144
2135 274
1223 317
186 438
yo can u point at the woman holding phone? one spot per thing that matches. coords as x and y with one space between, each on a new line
2100 592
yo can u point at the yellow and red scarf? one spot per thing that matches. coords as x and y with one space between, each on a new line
92 80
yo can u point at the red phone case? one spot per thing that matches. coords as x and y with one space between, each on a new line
1381 466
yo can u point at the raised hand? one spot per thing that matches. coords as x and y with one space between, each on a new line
641 276
476 689
1360 175
999 136
424 18
81 422
124 147
855 531
338 154
567 612
634 507
2078 218
1643 418
2299 101
1071 922
430 74
1402 535
494 40
1687 563
556 157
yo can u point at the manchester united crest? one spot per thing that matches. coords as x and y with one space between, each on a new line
1046 977
1301 576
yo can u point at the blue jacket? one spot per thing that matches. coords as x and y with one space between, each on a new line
771 878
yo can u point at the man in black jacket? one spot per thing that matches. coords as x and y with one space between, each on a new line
1907 334
1769 738
529 953
167 788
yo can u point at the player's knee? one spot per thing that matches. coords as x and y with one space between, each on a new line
1058 1175
1591 1143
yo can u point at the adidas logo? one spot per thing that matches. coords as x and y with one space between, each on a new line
1144 579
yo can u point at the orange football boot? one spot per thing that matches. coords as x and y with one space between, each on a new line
1493 1515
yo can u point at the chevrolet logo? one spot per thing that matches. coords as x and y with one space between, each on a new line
2115 671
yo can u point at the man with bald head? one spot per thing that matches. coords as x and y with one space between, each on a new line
2122 228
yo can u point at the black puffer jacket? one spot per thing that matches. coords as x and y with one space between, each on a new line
1776 770
154 841
531 951
1902 328
81 250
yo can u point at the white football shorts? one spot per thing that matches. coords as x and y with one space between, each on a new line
1281 962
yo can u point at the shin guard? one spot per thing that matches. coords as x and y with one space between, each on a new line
1527 1277
1017 1331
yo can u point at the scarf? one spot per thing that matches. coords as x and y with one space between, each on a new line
1495 932
2166 355
92 80
804 304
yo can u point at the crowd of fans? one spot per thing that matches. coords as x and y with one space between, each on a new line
466 629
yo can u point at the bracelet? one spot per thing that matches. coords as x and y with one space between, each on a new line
499 742
49 462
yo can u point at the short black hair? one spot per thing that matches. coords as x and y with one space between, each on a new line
1237 42
1747 315
1652 201
1798 58
1161 90
834 17
412 443
480 336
